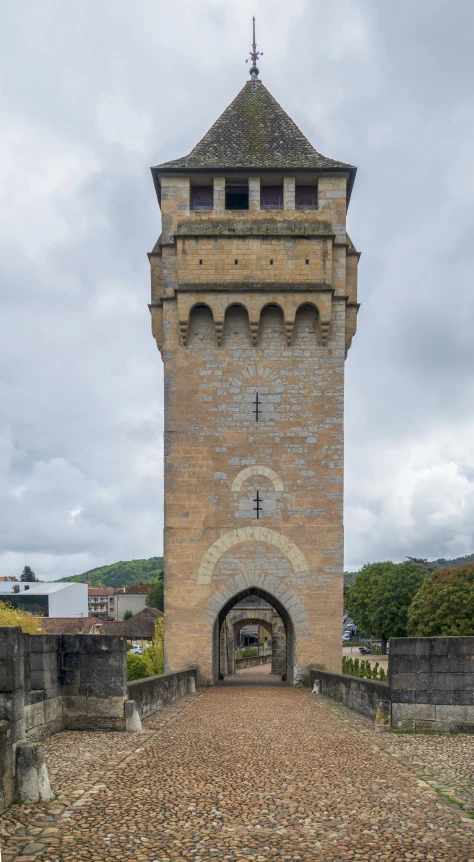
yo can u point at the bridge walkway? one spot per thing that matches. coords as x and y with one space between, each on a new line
252 773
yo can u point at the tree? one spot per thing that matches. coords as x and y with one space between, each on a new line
127 615
444 604
154 596
28 574
10 616
380 597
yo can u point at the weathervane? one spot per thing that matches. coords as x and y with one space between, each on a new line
254 55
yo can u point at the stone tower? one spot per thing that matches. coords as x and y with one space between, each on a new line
253 304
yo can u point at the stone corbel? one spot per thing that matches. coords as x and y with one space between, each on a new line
289 324
219 324
324 323
156 311
254 324
183 328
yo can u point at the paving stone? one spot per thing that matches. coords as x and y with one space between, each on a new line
254 774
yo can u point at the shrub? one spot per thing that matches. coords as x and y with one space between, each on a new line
154 655
10 616
363 669
136 667
152 662
246 652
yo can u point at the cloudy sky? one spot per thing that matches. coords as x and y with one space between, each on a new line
91 94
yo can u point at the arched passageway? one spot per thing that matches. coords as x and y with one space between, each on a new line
279 621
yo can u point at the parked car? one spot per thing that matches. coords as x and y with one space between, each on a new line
136 650
346 636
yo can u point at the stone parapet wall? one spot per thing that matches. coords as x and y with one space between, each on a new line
432 683
54 682
154 692
368 697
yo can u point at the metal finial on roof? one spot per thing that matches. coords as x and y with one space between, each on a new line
254 55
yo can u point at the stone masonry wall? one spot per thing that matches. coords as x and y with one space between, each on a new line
367 697
432 683
209 392
153 693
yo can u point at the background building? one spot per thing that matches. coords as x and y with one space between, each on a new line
48 600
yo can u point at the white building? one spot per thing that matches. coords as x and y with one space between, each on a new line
121 602
48 600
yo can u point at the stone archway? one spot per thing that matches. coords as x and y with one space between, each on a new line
254 611
218 652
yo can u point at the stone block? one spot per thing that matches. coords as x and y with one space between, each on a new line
452 681
453 646
409 646
12 705
413 711
7 787
11 673
32 781
133 722
11 642
410 681
456 715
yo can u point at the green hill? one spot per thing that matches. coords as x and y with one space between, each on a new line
122 574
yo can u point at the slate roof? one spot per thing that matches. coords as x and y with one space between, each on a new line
141 625
254 132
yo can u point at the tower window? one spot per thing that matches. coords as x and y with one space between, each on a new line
202 197
271 263
236 262
306 262
271 197
200 262
237 196
306 197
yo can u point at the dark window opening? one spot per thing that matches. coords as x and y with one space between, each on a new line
202 197
237 196
271 263
200 262
236 262
271 197
307 261
306 197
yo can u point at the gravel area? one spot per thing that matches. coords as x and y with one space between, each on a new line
257 773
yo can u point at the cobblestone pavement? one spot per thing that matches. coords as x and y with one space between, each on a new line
444 761
256 773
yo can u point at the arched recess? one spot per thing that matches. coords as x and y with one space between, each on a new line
257 470
311 319
272 326
218 657
306 329
200 330
249 534
236 331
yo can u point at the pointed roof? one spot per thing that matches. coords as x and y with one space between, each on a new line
254 132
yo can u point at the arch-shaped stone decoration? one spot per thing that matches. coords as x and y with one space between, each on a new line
249 534
257 470
254 371
267 586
